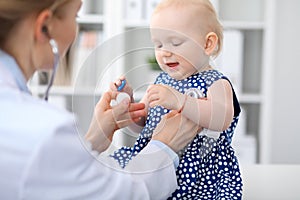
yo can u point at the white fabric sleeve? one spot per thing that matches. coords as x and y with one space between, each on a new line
148 164
62 167
167 149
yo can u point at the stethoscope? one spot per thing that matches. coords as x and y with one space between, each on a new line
55 52
194 92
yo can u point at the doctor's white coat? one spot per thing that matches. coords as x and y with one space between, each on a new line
43 157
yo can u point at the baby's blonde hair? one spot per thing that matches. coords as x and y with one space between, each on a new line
214 24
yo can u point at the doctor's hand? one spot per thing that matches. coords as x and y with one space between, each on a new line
122 84
107 119
175 130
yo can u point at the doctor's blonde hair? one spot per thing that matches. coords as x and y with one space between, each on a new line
201 6
13 11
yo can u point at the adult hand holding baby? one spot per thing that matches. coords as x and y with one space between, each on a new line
185 130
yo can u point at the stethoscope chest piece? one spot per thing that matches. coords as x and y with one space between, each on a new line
194 92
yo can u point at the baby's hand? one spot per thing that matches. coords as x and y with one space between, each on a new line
121 85
165 96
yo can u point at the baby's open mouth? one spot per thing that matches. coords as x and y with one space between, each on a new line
172 64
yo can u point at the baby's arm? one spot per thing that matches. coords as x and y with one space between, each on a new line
214 112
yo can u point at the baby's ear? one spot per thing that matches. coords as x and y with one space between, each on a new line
211 43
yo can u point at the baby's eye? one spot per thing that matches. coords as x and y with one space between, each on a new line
158 46
176 43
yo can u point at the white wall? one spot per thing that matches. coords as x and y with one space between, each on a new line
270 182
285 121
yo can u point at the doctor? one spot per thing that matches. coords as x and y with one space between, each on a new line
41 154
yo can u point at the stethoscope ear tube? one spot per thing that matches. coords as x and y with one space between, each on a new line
55 52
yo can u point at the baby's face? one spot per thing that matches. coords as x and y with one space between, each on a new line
176 34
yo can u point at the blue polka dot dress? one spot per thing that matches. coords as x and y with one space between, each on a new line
208 167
